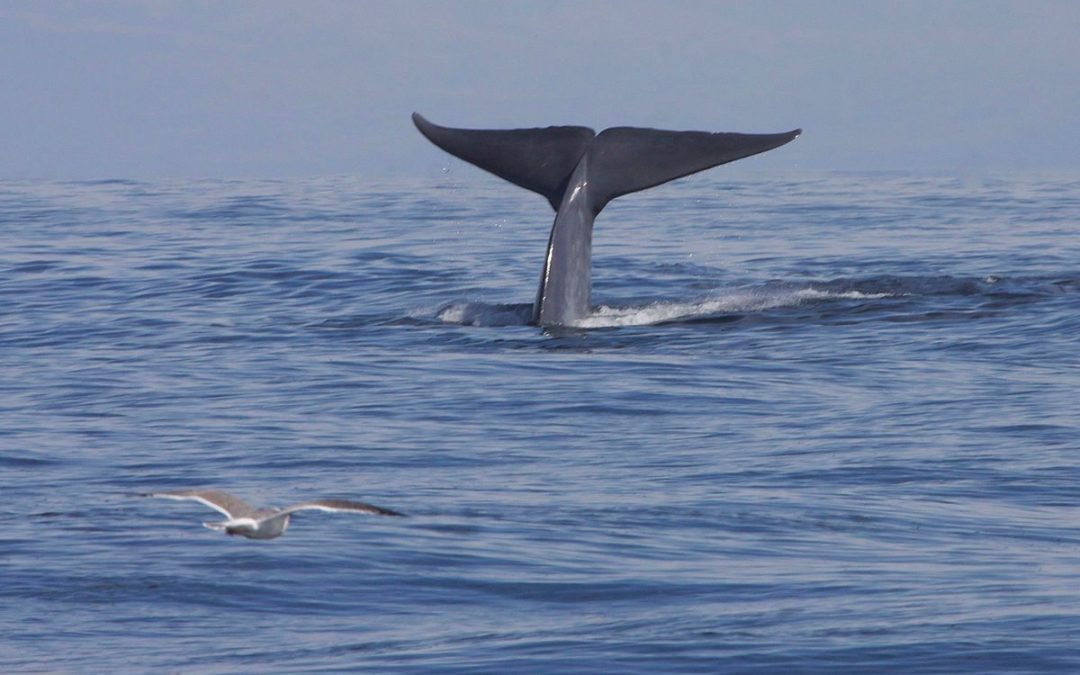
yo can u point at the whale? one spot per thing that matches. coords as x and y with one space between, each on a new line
579 172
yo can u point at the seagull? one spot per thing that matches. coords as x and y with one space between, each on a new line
255 523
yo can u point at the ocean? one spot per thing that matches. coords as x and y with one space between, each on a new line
817 423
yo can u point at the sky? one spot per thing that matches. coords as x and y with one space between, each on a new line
272 88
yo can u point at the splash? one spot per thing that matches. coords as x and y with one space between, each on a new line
737 301
481 314
731 302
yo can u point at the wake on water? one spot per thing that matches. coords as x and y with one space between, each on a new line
723 302
739 301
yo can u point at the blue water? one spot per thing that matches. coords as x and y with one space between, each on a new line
818 423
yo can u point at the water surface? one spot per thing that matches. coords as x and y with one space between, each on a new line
816 423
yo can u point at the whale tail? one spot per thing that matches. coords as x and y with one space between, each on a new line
579 171
621 159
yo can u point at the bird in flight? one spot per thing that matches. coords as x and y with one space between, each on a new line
248 521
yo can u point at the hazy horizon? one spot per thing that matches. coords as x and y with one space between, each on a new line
276 89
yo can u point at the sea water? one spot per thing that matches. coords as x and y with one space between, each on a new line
816 423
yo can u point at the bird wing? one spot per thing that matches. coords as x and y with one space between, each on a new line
232 507
338 505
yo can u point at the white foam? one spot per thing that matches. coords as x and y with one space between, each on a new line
480 314
730 302
738 301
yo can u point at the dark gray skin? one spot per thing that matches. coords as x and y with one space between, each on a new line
579 172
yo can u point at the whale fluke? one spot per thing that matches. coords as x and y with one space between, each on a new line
579 172
540 160
628 159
